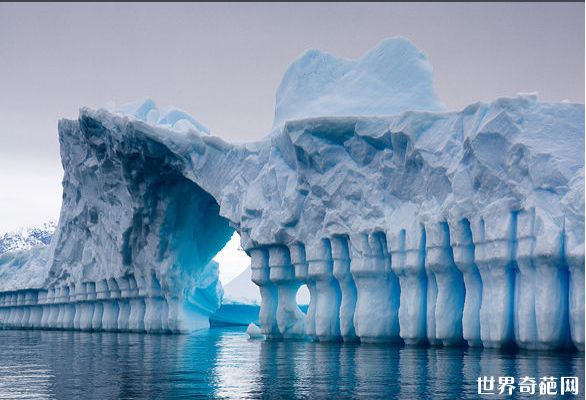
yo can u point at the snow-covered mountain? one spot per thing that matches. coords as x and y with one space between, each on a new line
27 238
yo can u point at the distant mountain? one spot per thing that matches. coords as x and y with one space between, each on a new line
27 238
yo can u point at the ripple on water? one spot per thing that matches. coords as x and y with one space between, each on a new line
223 363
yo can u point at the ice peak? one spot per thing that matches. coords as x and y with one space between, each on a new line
170 117
391 78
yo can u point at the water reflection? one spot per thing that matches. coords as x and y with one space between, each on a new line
222 363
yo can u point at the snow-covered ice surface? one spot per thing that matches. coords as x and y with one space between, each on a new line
391 78
406 222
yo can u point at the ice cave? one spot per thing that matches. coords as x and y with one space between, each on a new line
406 222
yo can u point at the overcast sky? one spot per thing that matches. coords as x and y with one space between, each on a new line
223 63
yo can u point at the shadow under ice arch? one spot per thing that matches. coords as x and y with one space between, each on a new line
143 223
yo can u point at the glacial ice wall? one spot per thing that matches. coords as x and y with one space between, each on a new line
423 227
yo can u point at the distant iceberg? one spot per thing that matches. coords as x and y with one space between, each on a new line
241 301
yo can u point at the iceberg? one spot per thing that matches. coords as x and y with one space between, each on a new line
242 299
406 222
392 78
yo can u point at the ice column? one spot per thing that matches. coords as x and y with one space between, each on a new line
282 274
525 319
574 249
87 307
40 309
430 307
67 313
137 290
19 314
60 299
494 255
268 292
341 259
28 301
449 303
3 308
377 306
47 308
541 318
111 309
80 297
463 250
299 262
320 268
11 314
408 263
36 310
123 304
101 294
156 313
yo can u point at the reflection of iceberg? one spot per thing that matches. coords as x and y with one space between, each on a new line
223 363
423 226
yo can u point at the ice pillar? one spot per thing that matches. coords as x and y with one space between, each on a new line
463 251
449 302
156 312
268 291
282 274
137 289
28 305
541 287
36 310
299 262
102 293
19 314
341 270
494 255
87 307
327 311
111 308
67 312
575 260
574 254
408 263
80 297
123 304
377 306
47 308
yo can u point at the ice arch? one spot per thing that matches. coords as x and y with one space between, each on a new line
139 219
422 226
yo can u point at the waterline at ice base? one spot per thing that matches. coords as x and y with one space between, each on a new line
408 223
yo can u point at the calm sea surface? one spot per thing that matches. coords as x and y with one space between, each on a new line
223 363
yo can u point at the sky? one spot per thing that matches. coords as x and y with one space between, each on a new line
223 62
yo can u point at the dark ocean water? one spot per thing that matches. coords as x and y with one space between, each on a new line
223 363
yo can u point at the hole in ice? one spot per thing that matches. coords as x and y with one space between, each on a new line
303 297
232 260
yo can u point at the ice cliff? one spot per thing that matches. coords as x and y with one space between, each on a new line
406 222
